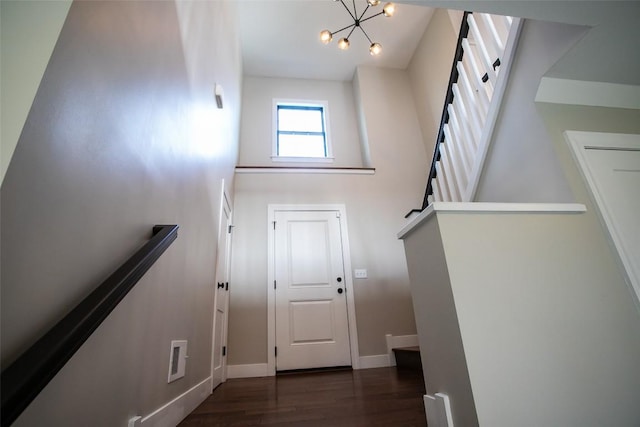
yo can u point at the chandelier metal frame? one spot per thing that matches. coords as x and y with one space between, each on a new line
358 19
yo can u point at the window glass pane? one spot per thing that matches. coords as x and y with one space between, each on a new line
301 145
300 120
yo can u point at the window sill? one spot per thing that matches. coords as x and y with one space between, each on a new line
304 169
283 159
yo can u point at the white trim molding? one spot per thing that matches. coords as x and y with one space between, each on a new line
327 130
271 297
303 170
480 207
177 409
593 94
375 361
247 371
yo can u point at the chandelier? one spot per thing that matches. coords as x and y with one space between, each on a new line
375 48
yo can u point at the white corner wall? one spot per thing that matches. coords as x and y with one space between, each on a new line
544 317
29 31
441 348
537 314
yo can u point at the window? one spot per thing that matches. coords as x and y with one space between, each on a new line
301 132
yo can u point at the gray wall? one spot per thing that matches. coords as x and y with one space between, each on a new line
429 72
522 165
375 206
123 134
257 105
610 41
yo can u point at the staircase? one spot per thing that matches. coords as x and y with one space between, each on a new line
408 358
479 74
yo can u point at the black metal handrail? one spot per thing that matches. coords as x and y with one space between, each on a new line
25 378
453 78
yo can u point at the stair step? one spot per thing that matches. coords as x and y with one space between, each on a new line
408 358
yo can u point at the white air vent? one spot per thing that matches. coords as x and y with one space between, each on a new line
177 360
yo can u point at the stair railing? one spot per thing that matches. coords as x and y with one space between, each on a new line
479 74
25 378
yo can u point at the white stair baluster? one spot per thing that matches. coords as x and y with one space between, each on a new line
467 138
435 186
478 85
461 154
441 180
457 180
448 173
485 57
494 36
465 95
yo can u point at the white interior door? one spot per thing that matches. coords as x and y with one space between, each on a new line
611 166
311 307
220 314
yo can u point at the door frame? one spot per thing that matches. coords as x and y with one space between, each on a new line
348 279
222 229
579 142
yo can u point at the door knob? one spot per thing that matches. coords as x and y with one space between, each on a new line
339 290
339 279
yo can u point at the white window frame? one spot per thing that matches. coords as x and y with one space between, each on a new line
303 103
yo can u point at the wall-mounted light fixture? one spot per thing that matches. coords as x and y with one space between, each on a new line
219 95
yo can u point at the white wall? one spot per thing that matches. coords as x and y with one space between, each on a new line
441 348
123 134
522 164
29 30
256 134
550 332
375 206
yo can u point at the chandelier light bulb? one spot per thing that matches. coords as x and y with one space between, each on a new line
326 36
389 9
375 48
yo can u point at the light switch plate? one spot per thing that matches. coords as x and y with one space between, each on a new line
360 273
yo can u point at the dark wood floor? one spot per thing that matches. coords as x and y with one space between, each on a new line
368 397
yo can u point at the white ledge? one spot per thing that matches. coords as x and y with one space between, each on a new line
304 169
483 207
593 94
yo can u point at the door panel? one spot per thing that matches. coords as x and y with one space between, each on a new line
310 264
311 322
610 165
221 303
311 312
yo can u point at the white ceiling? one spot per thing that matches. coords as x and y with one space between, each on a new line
280 38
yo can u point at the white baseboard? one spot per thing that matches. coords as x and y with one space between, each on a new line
247 371
375 361
175 411
395 341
